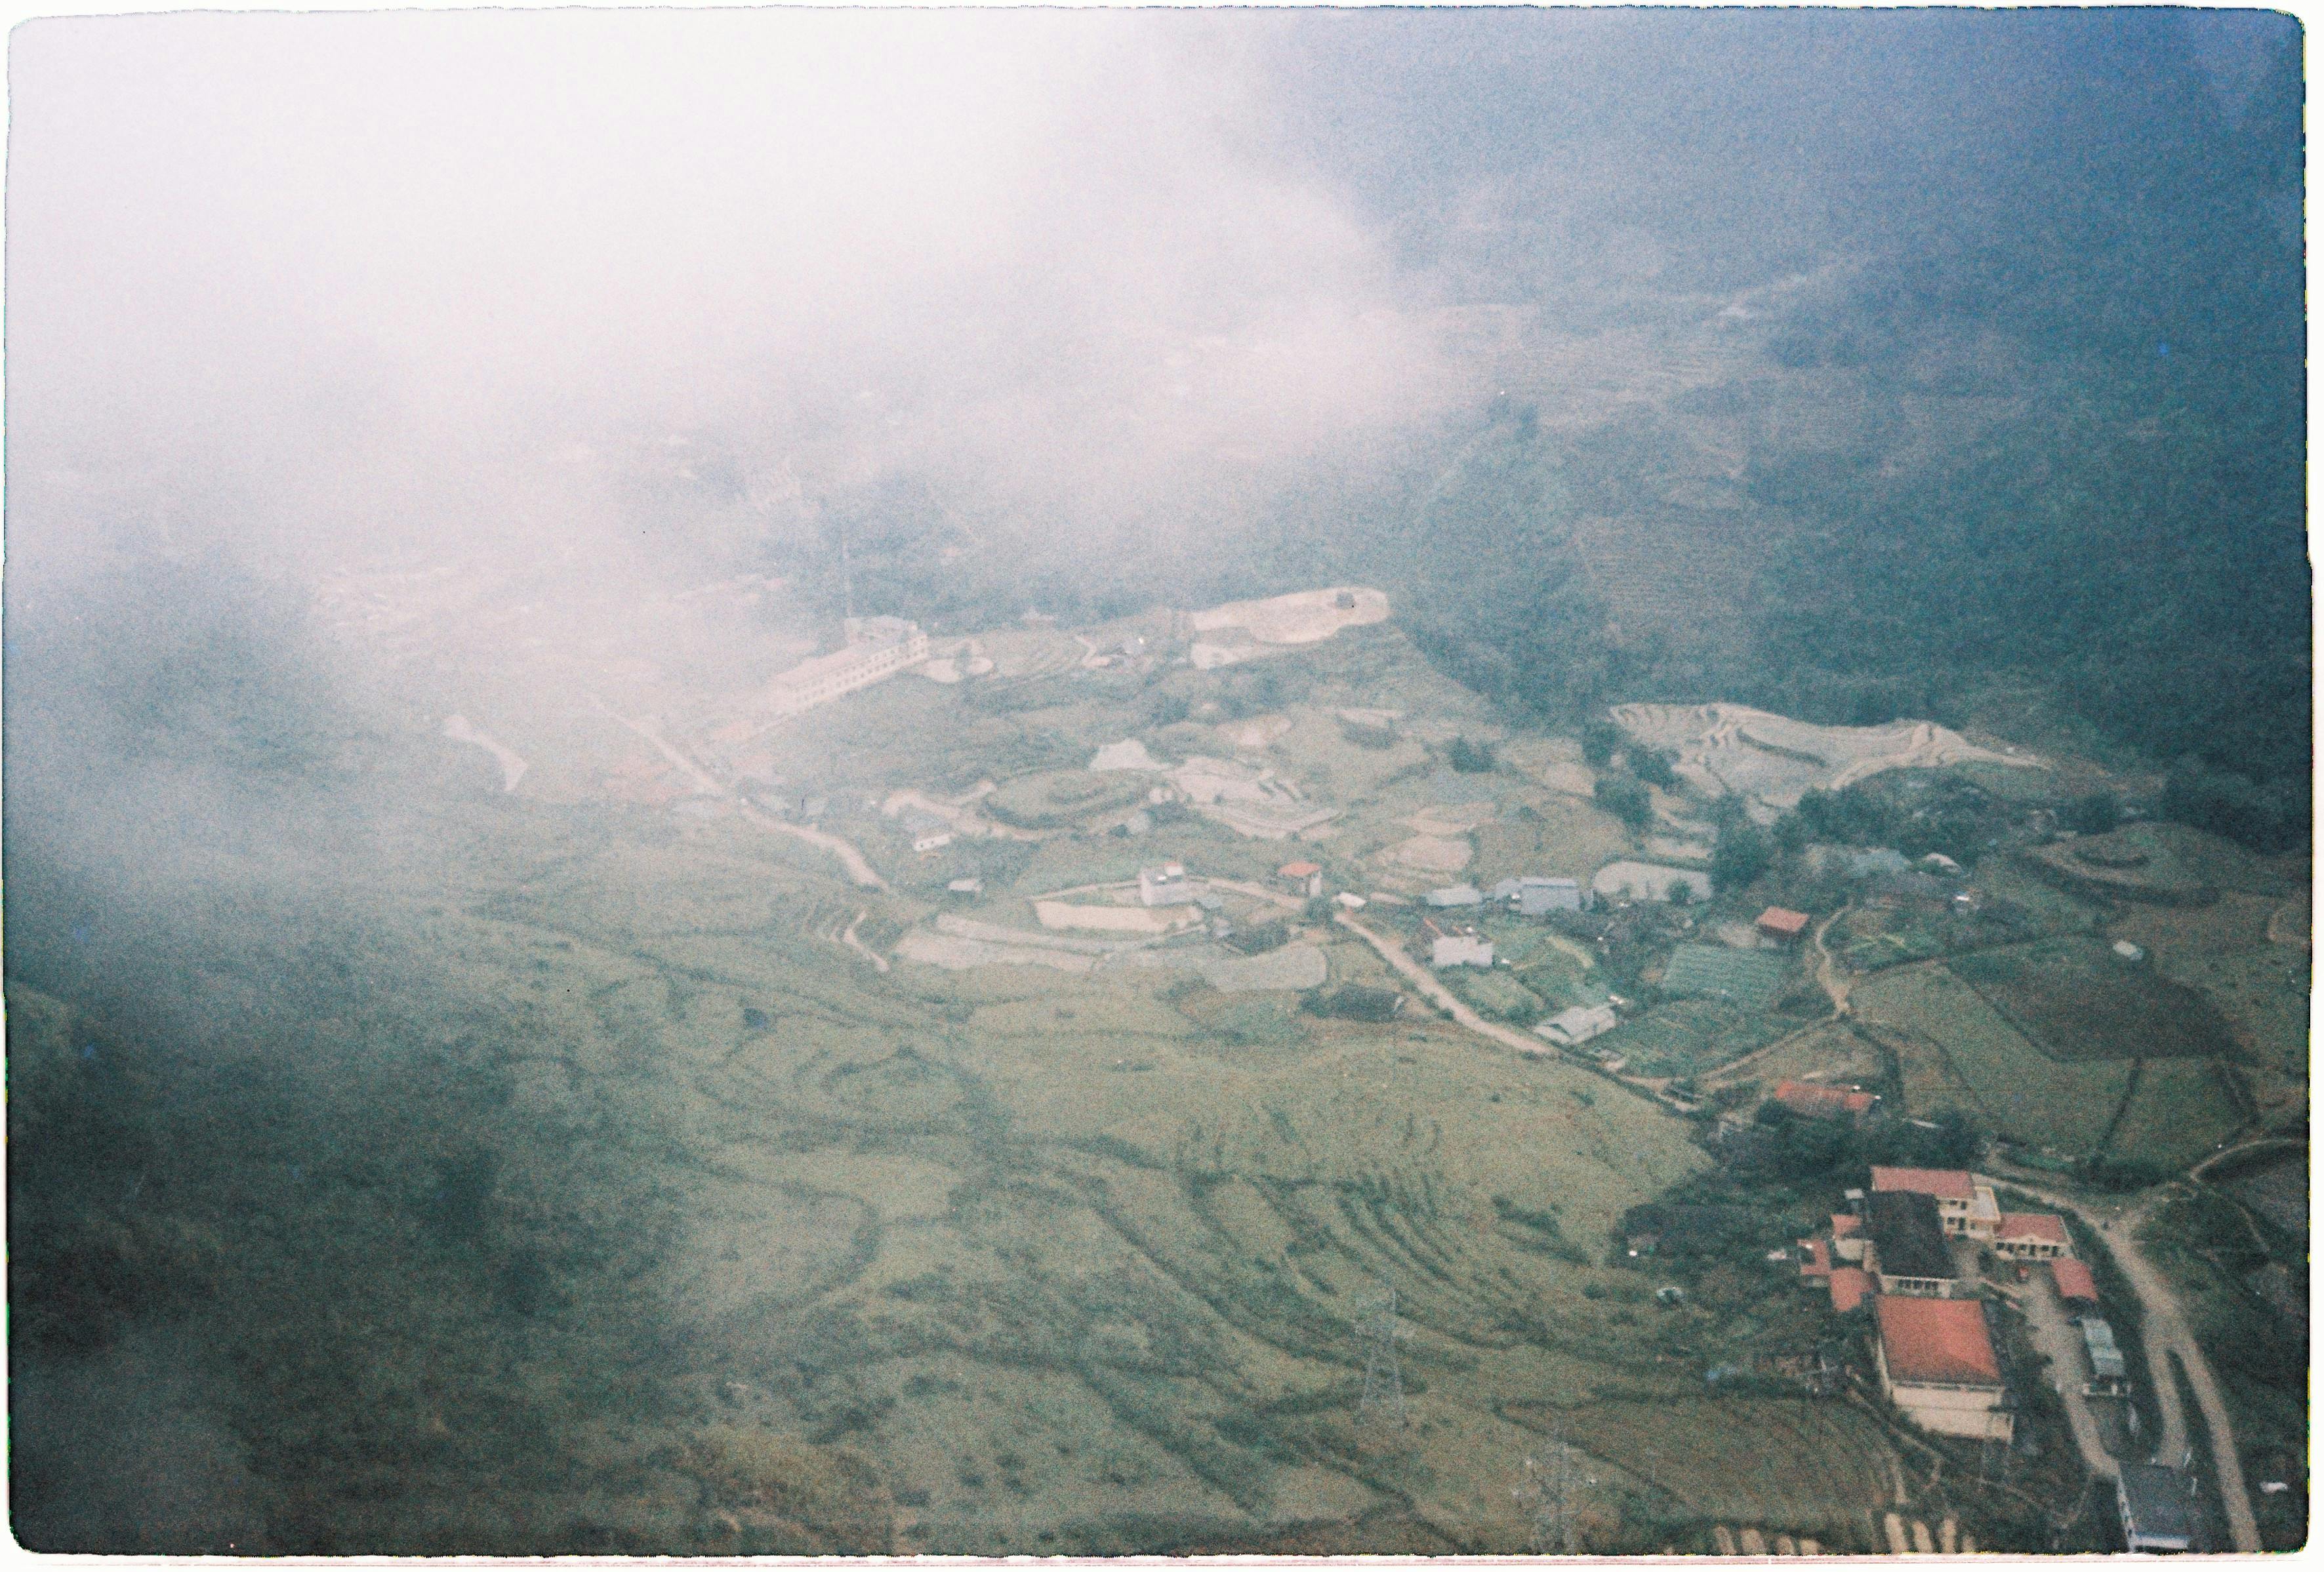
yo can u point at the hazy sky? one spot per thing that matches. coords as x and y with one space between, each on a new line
336 275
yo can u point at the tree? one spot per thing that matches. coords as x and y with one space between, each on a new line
1743 853
2094 815
1469 757
1652 766
1626 798
1598 740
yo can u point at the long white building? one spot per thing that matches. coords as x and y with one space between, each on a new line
877 648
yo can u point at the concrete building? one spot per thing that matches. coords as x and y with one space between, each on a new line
877 648
2108 1372
1537 896
927 832
1904 1247
2031 1237
1937 1363
1461 950
1963 1205
2157 1506
1571 1028
1164 885
1301 878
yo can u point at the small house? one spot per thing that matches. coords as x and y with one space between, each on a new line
1936 1362
2108 1372
1782 924
1301 878
1537 896
927 832
2031 1237
1349 900
1163 886
1461 950
2157 1506
2075 1284
1810 1101
1850 1287
1571 1028
965 887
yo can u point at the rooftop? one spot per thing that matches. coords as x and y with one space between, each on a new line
1783 919
1941 1341
2032 1226
2156 1502
1850 1287
2073 1279
1906 1232
1824 1102
1945 1183
1298 870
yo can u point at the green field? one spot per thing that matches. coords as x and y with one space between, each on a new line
2075 999
1689 1037
2018 1091
1750 979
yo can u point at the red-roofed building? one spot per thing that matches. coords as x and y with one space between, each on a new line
2075 1283
1937 1363
1850 1287
1815 1262
1302 879
1963 1205
1808 1100
1848 1236
1781 923
2031 1237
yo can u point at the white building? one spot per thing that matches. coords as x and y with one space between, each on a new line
1571 1028
1461 950
1164 885
877 648
927 832
1537 896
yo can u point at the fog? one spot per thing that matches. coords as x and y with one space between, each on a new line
561 375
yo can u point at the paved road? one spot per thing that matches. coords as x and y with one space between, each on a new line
2166 1331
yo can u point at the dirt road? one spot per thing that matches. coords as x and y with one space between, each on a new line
2167 1332
1419 977
2061 1342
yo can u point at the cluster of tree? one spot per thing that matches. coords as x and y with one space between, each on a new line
1795 1147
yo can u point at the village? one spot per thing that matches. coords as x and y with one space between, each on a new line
1264 801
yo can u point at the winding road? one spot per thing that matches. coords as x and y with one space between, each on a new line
2167 1332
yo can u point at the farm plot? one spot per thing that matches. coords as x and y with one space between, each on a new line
2178 1112
1559 837
2075 999
2020 1092
1749 978
1691 1037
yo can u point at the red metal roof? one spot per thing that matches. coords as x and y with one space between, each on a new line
1850 1286
1936 1340
1784 921
1845 1225
2032 1226
1945 1183
1815 1261
1297 871
1804 1097
2073 1279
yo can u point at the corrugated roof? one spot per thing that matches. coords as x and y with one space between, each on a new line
1298 870
2073 1278
2039 1226
1936 1340
1783 920
1805 1097
1945 1183
1845 1225
1815 1260
1850 1287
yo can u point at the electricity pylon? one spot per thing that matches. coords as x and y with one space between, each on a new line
1552 1492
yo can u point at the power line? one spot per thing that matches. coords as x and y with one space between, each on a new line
1551 1494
